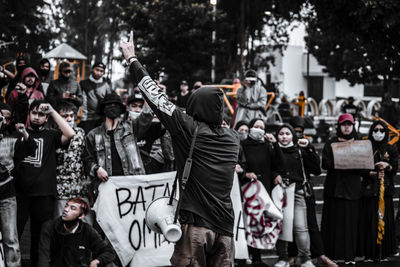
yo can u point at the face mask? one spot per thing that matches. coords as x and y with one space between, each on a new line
243 135
257 134
21 68
133 115
112 112
71 123
44 72
36 127
378 136
299 135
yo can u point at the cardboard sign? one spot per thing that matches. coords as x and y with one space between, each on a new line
120 211
353 155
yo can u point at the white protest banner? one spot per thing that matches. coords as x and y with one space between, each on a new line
120 211
241 251
2 258
284 200
353 155
263 220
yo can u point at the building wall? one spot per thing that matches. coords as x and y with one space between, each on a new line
290 71
293 80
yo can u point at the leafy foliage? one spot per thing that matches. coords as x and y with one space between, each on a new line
357 40
24 23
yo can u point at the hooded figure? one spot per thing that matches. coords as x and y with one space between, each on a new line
206 105
19 102
206 207
251 99
383 152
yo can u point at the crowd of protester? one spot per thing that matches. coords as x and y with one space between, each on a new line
61 138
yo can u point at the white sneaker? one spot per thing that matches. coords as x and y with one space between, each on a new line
307 264
282 263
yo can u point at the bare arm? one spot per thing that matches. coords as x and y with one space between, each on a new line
67 131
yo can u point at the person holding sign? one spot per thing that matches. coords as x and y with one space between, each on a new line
342 193
378 189
299 161
258 159
206 212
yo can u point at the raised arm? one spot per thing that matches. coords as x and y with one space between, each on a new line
67 131
155 97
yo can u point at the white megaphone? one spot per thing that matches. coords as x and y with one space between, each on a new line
160 218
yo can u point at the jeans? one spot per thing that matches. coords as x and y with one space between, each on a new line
8 220
40 210
300 228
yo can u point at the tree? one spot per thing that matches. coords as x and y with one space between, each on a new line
24 25
265 22
173 37
357 40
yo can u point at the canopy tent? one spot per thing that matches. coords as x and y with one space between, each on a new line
64 51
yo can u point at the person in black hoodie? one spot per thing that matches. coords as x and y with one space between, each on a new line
385 158
258 159
68 241
206 212
342 194
299 161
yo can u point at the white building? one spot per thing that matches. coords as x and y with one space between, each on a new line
290 72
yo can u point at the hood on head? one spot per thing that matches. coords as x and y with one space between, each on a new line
206 105
386 138
295 139
297 121
28 71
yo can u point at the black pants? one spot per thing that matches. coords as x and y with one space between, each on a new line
39 209
316 244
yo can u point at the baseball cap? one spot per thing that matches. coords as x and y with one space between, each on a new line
345 117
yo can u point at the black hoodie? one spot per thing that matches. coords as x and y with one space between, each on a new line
207 199
383 151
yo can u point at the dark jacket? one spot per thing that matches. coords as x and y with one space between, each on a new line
294 158
58 248
98 146
93 94
58 87
292 162
383 151
260 158
206 200
344 184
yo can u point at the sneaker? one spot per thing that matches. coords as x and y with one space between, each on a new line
282 263
292 261
350 262
368 260
324 261
307 264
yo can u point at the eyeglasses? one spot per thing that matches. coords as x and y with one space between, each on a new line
379 130
67 71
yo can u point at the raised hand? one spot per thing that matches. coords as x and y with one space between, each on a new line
128 48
